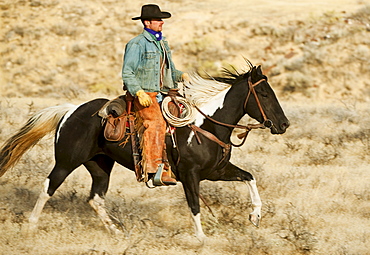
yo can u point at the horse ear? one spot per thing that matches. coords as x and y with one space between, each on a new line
254 73
259 70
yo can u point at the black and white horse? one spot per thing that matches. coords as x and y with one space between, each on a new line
79 140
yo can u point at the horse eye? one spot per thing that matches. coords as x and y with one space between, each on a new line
263 93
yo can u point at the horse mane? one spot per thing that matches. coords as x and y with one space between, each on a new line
201 90
231 74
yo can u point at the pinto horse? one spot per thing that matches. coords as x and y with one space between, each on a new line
199 155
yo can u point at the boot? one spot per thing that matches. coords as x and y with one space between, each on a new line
167 173
167 179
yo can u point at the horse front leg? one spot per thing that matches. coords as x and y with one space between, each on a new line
198 227
191 189
233 173
51 184
255 216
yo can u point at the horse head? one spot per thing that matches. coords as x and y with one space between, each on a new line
261 102
258 98
228 98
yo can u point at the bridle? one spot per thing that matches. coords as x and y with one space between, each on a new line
267 123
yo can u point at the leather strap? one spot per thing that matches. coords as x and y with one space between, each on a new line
226 147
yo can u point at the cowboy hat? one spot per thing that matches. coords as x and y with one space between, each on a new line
152 11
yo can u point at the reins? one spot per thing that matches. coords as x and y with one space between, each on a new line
266 123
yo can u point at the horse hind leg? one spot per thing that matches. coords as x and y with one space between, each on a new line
98 204
51 184
41 201
100 168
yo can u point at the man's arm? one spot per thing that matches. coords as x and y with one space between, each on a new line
131 61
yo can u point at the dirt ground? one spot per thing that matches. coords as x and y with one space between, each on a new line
313 180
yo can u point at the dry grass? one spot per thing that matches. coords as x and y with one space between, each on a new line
313 180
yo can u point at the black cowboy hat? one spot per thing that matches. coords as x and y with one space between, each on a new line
152 11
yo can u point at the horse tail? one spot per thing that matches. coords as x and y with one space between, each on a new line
39 125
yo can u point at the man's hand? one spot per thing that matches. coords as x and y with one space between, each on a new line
185 77
144 98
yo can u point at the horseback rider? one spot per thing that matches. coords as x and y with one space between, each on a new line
147 72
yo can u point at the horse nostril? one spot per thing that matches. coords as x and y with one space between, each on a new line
285 125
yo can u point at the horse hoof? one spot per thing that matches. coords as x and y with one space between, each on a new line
255 219
28 229
115 232
201 237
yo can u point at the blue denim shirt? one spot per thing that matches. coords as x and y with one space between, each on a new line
141 67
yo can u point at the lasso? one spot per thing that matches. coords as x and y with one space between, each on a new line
187 115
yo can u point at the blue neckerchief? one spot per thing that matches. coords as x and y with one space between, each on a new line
158 35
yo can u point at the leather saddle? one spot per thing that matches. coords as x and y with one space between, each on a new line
115 115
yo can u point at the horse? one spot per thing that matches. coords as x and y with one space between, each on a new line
201 152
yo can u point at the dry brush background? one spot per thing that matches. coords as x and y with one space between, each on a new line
314 180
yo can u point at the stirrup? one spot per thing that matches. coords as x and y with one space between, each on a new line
157 180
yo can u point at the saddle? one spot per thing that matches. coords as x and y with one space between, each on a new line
115 115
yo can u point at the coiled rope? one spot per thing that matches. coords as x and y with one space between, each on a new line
187 115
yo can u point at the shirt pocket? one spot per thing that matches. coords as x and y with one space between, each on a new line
149 60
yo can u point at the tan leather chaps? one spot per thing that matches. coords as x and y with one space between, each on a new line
154 134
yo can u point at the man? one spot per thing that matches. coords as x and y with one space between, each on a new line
147 72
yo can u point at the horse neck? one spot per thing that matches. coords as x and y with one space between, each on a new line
231 113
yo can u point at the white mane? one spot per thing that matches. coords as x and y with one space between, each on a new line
200 91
